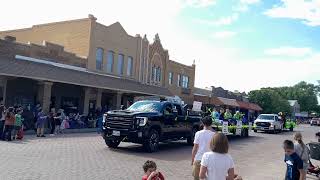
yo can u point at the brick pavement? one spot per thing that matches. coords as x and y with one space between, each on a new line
85 156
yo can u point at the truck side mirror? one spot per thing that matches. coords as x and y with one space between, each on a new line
122 107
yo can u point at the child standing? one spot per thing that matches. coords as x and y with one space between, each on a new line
18 124
201 145
294 163
2 119
151 173
218 164
9 124
40 124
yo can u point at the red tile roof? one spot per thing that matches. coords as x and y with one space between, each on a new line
255 107
229 102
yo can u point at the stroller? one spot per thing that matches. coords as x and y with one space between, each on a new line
314 154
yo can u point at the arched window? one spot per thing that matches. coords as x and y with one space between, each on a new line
110 62
99 58
120 64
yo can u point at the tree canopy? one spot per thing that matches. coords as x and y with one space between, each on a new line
274 100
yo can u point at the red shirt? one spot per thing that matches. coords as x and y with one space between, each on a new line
159 177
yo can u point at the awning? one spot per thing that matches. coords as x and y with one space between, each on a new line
255 107
77 76
243 105
215 101
229 102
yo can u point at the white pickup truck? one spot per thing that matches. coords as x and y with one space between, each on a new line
268 122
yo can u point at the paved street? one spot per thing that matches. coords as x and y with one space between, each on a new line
85 156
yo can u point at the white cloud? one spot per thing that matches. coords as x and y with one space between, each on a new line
223 21
200 3
223 34
243 5
306 11
289 51
249 1
226 20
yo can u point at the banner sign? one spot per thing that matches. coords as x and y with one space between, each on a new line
239 128
225 129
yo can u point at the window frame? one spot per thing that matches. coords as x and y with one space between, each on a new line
98 57
120 67
110 66
170 78
130 69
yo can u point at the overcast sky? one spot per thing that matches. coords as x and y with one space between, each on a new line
237 44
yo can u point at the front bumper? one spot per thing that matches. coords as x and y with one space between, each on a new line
260 128
135 136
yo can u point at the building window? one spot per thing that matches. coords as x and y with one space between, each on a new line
130 66
110 62
154 74
185 81
170 77
158 74
120 64
179 80
99 58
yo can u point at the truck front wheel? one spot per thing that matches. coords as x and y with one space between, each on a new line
112 143
291 128
151 143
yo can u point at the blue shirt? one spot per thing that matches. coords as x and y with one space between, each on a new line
294 163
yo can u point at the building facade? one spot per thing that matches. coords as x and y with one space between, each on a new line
107 67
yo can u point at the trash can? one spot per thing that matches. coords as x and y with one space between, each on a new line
314 150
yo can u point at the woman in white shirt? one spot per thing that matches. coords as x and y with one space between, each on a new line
218 164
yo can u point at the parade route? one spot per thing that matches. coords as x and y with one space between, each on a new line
85 156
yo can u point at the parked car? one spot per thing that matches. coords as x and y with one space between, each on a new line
315 122
268 122
149 122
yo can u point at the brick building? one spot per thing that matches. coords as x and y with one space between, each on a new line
85 65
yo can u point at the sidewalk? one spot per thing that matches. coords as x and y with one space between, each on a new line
65 131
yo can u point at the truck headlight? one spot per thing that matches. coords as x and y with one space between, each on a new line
271 124
104 118
142 121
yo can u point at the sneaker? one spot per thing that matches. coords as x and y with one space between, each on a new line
38 135
51 134
43 136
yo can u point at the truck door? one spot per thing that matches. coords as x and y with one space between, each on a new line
181 121
170 120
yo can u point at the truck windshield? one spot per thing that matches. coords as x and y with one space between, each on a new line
266 117
145 106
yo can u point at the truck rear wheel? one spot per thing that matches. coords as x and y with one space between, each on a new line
151 144
246 132
190 139
112 143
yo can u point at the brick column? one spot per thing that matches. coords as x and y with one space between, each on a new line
86 101
98 100
3 85
118 100
44 95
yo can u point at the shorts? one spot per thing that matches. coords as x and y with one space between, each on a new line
17 128
196 169
305 166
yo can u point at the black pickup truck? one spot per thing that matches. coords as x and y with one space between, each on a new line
149 122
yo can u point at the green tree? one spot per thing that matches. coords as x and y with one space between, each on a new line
305 93
270 100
